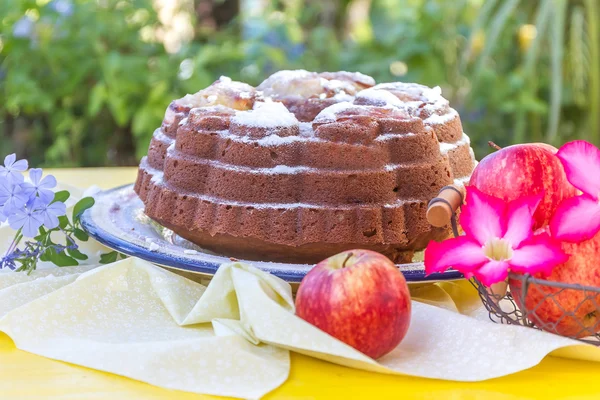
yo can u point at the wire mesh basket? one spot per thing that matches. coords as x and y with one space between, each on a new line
566 309
569 310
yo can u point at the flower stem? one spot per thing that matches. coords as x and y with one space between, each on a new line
14 243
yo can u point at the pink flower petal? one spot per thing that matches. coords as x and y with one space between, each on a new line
492 272
581 161
483 216
461 253
576 219
519 226
540 254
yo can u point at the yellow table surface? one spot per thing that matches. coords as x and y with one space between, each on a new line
27 376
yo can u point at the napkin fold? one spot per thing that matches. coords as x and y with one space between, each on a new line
233 337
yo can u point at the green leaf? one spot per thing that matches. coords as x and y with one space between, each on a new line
75 253
593 15
81 206
60 259
108 258
61 196
497 24
543 16
98 96
44 256
482 18
556 68
42 234
63 222
81 235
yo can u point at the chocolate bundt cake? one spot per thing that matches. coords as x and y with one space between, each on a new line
304 166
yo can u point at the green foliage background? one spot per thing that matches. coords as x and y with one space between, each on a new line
89 88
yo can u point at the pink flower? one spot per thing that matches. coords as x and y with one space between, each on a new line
498 238
578 218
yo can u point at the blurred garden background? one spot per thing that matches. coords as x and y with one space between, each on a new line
86 82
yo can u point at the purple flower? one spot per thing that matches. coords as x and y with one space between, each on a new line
27 219
12 197
8 261
50 212
63 7
12 169
24 27
2 216
38 186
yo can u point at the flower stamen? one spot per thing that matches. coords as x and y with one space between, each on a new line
497 249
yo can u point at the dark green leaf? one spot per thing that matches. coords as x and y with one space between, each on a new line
75 253
81 206
60 259
63 222
108 258
44 256
42 234
61 196
81 235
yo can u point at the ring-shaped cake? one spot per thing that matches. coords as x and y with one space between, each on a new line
304 166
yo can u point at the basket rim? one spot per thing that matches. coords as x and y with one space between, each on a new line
528 279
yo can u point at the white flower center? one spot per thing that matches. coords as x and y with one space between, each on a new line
498 249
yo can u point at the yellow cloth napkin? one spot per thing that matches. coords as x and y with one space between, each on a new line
232 337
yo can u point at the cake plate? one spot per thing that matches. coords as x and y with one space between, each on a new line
117 220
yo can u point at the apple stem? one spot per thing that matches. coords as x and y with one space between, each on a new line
346 260
494 145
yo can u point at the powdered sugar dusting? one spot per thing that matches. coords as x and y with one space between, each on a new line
306 135
329 114
266 115
157 177
276 140
378 97
436 119
288 75
160 136
389 136
306 130
284 169
169 117
446 147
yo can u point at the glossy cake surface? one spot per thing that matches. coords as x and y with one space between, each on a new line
303 166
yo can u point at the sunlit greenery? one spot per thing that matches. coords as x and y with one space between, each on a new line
85 83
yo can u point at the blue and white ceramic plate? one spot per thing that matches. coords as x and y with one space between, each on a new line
117 220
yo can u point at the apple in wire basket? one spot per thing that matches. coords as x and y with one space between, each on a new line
359 297
524 170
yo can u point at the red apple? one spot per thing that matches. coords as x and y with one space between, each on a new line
359 297
524 170
569 312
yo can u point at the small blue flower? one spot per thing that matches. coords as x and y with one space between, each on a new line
12 169
39 187
2 216
50 212
24 28
27 219
8 261
63 7
12 197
